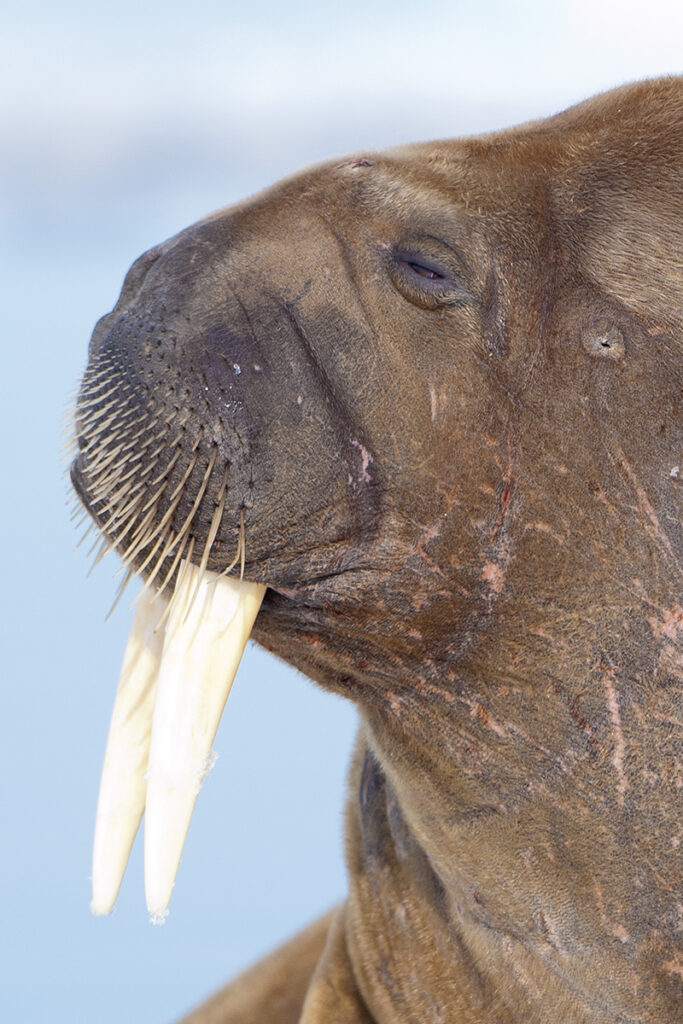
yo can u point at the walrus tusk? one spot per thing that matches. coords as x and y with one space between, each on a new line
208 626
123 787
175 680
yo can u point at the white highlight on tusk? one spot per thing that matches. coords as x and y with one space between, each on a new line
123 787
208 626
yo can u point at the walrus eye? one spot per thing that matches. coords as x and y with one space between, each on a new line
432 275
425 282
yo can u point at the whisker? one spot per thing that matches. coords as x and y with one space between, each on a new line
119 593
78 513
242 544
124 488
185 528
129 519
184 569
90 527
95 419
181 485
210 537
169 467
170 535
174 563
89 396
132 492
142 536
104 548
234 562
161 536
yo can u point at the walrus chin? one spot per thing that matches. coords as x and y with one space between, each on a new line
413 420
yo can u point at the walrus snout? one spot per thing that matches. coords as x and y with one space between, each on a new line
191 405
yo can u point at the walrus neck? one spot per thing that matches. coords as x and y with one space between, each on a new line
518 785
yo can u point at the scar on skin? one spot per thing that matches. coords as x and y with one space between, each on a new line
671 661
362 162
670 626
483 714
437 399
494 574
432 400
312 639
619 932
674 966
546 528
600 903
608 680
367 459
645 507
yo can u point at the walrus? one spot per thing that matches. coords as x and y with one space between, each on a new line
415 414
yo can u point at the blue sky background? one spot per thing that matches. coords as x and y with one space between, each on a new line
118 128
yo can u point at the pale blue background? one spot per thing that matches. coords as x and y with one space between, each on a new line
117 128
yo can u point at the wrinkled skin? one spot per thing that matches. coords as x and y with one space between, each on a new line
446 381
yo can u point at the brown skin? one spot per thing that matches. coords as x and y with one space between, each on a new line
446 379
273 989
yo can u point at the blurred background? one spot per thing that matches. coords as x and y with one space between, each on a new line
118 127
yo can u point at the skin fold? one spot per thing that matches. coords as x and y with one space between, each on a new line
440 386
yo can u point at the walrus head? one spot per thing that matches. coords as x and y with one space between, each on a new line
429 398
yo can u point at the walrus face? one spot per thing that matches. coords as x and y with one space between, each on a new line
244 410
415 417
257 364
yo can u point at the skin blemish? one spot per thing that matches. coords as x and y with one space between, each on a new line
356 163
312 640
674 966
645 508
494 575
432 401
671 626
483 715
550 932
367 459
541 527
609 679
